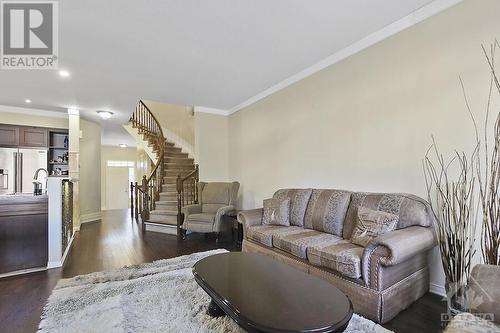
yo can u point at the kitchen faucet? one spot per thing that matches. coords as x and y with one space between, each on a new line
37 186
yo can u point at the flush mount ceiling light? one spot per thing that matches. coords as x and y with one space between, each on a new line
28 101
105 114
122 145
64 73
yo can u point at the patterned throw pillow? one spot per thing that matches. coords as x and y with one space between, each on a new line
276 212
298 203
372 223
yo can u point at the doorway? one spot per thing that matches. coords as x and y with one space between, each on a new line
119 174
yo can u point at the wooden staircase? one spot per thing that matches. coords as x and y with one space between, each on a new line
172 184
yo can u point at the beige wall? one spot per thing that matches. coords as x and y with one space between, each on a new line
366 122
177 119
32 120
111 153
212 146
90 169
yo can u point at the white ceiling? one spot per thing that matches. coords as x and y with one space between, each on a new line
215 53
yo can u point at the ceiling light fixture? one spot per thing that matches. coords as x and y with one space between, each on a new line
122 145
105 114
64 73
28 101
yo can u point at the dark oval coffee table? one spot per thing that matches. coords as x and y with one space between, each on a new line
264 295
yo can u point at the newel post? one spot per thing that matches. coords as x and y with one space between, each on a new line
145 210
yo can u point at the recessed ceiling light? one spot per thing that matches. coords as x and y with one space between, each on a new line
27 100
105 114
64 73
122 145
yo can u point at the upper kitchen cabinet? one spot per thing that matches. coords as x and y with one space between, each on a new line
33 137
9 135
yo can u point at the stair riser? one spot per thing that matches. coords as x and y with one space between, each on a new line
179 167
163 219
166 206
176 155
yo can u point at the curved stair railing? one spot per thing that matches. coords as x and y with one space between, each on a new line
147 193
145 196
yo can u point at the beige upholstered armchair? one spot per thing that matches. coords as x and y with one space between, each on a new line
216 200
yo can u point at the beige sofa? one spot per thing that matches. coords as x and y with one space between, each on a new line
381 279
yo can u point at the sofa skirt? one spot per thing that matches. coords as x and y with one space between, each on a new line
379 306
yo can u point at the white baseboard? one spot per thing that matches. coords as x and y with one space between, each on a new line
85 218
162 228
23 271
437 289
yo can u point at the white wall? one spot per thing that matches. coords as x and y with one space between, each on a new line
90 170
211 146
365 123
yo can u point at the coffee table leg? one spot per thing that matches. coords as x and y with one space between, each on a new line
214 310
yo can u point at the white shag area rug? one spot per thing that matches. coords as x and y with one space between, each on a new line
161 296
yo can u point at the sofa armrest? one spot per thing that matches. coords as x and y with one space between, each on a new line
396 247
191 209
250 218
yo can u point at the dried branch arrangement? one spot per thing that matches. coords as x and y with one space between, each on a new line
489 182
453 203
454 188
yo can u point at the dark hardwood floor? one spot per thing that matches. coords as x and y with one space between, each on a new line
117 241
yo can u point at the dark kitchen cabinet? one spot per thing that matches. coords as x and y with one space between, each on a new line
33 137
9 135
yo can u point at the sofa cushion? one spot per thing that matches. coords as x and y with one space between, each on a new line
410 209
341 256
371 224
276 212
203 217
263 234
326 211
298 203
296 243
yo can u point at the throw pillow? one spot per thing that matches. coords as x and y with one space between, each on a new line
371 224
276 212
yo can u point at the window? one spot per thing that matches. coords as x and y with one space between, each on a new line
127 164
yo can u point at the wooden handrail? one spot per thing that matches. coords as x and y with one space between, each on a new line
149 126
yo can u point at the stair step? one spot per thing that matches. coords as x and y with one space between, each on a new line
176 154
173 149
179 160
164 212
176 166
166 205
175 173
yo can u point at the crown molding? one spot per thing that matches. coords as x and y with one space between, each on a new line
202 109
30 111
411 19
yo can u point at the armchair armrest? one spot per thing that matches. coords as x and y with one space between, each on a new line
226 210
191 209
249 218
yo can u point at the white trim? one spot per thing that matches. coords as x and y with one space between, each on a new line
219 112
68 248
413 18
437 289
85 218
34 112
162 228
73 112
23 271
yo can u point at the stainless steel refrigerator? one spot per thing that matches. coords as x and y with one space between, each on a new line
17 168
